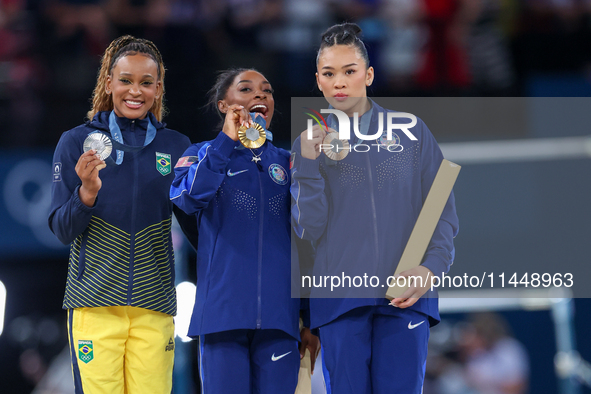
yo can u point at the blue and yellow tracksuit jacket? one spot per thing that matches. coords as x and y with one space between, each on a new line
121 248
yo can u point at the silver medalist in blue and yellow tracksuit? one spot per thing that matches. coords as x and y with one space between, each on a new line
120 292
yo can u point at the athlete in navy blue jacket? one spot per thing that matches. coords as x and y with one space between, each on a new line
360 212
244 315
120 292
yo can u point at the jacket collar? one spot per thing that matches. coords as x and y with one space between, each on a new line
373 125
101 121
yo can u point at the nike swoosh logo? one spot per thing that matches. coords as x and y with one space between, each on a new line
412 326
230 173
273 358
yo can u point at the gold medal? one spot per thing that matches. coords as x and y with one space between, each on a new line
335 148
252 137
99 142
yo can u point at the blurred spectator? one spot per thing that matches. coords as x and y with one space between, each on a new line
21 75
403 40
87 17
485 359
143 13
496 363
491 66
292 38
445 68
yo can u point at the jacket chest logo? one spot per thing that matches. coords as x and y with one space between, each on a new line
278 174
163 163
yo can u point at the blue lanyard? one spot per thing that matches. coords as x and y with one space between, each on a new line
117 138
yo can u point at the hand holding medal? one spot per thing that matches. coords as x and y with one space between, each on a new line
236 117
239 126
100 143
311 146
87 168
323 140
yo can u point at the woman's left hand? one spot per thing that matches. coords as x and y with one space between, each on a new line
417 288
310 342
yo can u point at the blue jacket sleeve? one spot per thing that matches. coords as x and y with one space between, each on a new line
309 209
68 216
440 252
195 186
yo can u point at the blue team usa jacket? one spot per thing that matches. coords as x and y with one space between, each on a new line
242 212
121 250
360 212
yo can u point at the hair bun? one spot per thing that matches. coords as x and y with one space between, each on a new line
344 33
352 28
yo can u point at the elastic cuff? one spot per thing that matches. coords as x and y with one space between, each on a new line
308 167
79 204
435 264
224 144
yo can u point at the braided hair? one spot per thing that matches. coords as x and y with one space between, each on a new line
121 47
344 34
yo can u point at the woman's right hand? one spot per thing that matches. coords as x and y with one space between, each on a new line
311 147
88 167
236 116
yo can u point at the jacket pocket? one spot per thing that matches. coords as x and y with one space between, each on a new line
82 255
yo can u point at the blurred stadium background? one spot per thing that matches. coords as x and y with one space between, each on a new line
510 210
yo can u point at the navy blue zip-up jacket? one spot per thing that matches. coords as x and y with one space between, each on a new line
243 260
121 249
360 212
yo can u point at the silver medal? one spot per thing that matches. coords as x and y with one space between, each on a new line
99 142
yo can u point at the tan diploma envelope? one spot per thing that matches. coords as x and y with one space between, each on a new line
426 223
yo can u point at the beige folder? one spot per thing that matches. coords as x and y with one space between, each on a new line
305 375
426 223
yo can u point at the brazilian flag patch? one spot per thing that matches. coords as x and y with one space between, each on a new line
163 163
85 351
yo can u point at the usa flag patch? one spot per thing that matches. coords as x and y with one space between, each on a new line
186 161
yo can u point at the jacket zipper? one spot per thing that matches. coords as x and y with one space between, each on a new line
260 268
373 209
133 209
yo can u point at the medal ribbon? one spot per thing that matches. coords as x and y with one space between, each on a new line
117 138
